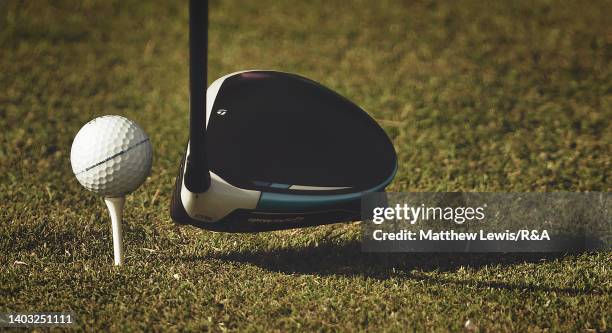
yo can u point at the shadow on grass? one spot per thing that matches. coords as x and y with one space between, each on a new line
349 260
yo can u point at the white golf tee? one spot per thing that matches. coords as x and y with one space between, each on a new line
115 208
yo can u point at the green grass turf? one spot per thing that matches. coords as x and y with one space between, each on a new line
476 96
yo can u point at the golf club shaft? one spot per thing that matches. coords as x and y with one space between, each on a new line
115 209
197 177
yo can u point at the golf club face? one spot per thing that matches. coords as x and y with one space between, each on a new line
283 152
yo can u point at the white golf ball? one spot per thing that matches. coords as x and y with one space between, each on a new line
111 156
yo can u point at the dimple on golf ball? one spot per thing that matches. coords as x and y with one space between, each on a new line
111 156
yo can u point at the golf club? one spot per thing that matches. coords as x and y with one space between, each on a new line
270 150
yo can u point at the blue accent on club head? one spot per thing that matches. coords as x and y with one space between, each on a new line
277 185
272 201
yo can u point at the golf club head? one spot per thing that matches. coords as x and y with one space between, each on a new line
283 152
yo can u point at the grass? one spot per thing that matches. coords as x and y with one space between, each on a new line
502 96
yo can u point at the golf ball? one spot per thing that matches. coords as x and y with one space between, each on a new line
111 156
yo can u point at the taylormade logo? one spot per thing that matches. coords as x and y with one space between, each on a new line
276 220
413 214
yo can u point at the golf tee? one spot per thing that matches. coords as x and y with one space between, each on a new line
115 209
